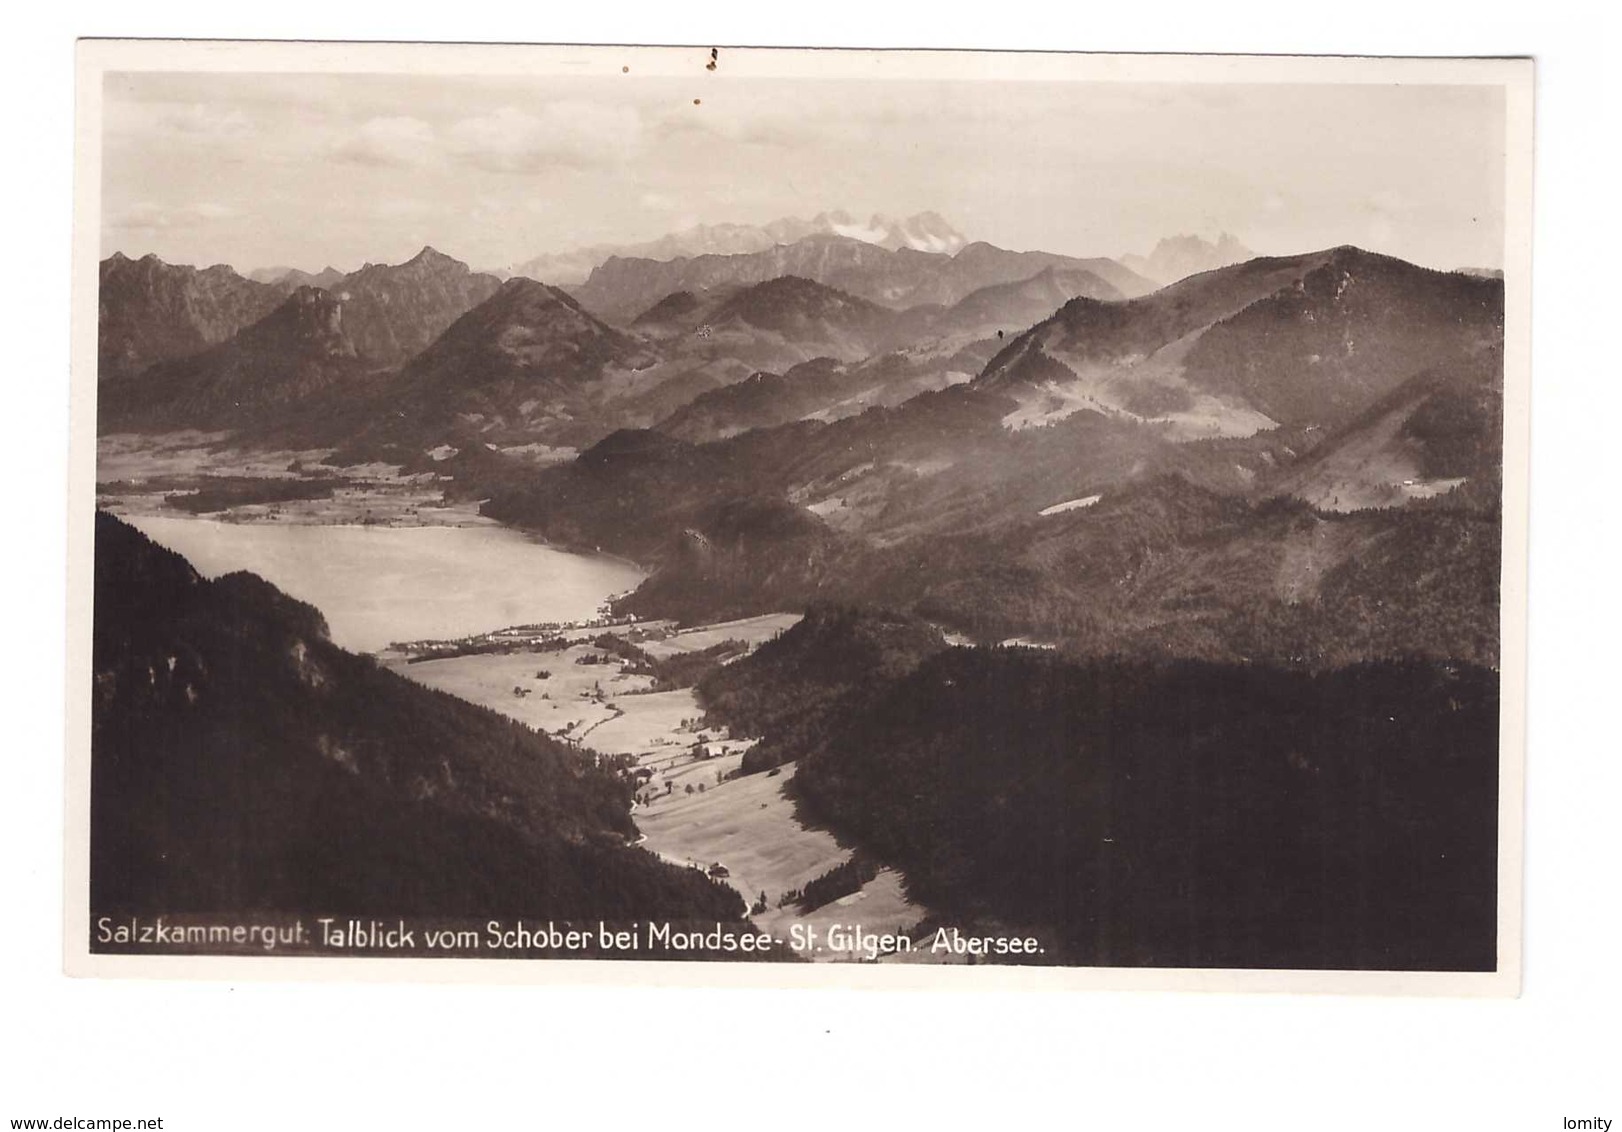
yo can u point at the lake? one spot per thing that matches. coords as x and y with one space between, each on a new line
381 584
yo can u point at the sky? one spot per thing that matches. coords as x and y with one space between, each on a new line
306 171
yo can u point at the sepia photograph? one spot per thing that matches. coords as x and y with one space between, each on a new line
885 518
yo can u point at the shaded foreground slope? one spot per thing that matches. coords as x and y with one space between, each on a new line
1182 814
241 762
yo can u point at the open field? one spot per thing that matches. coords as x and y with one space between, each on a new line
410 502
1070 505
754 630
135 475
748 826
689 811
597 704
880 906
573 699
648 724
138 459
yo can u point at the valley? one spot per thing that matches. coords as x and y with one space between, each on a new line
202 473
693 807
852 570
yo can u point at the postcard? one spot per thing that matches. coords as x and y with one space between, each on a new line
798 518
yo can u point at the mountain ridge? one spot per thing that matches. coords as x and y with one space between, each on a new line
151 311
1177 257
299 350
925 231
621 288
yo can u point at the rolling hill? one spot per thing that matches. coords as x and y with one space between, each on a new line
1433 434
527 363
1302 341
773 325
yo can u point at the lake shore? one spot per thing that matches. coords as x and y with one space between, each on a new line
692 807
143 476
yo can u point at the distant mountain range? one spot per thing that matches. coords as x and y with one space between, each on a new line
152 311
299 350
1178 257
623 288
292 277
925 232
550 356
1099 474
901 419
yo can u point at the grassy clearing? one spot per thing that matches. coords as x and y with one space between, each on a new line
754 630
650 724
880 907
563 704
136 473
745 824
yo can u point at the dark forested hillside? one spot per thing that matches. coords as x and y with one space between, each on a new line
1441 426
1180 815
1165 566
831 661
240 761
1347 333
1171 569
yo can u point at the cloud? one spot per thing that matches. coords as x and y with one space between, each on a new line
177 122
738 123
403 208
1391 201
389 142
513 140
150 216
